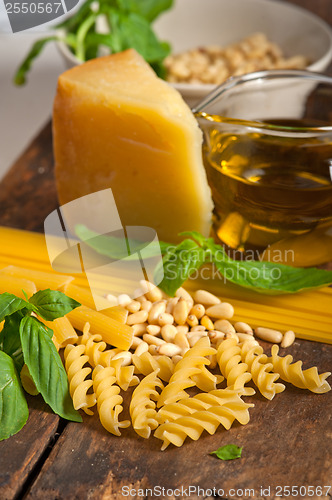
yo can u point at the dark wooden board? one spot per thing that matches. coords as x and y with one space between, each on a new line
288 441
20 454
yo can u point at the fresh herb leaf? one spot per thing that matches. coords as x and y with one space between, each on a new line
9 304
52 304
10 341
149 9
20 76
179 264
267 277
13 406
228 452
116 247
46 368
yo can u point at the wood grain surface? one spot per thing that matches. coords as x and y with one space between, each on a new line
288 441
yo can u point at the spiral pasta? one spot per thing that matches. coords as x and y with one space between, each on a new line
190 365
75 359
124 374
202 401
209 419
260 370
109 401
231 366
146 364
142 407
293 373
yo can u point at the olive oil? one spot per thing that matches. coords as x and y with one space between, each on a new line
273 191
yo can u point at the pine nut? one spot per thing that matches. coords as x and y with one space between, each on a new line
207 322
133 306
182 328
206 298
214 335
151 339
151 291
170 304
181 292
192 320
165 319
170 350
220 311
192 339
241 327
142 347
243 337
139 295
229 335
155 311
125 356
153 329
288 339
139 329
138 317
168 333
146 306
124 300
198 328
112 298
182 341
268 334
252 341
198 310
180 311
136 342
224 326
176 358
153 349
213 361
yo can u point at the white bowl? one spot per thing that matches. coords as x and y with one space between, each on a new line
194 23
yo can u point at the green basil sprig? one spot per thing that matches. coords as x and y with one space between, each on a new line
181 261
128 25
24 339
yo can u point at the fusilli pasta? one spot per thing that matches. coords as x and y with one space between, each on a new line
109 401
293 373
231 366
146 363
260 370
142 407
75 359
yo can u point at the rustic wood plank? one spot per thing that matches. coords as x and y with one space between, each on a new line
287 442
20 454
27 192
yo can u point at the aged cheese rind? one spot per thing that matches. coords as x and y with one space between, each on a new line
117 125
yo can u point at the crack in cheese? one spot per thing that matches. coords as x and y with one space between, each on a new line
117 125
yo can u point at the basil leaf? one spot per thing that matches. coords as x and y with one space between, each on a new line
46 368
52 304
267 277
13 406
20 76
10 341
178 265
149 9
228 452
9 304
113 247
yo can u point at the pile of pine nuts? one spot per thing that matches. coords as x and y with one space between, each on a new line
170 326
214 64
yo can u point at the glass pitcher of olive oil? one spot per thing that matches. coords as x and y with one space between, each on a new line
268 156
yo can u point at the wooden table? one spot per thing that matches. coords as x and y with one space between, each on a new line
288 441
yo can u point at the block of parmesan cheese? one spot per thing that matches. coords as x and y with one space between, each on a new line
117 125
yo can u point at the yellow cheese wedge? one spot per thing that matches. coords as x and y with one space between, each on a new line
117 125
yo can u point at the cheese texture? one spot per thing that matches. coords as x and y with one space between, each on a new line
117 125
